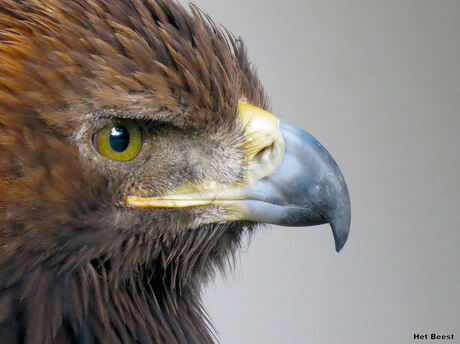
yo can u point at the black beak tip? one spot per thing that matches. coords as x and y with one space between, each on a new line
340 229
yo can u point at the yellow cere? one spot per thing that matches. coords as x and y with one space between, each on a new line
121 141
262 128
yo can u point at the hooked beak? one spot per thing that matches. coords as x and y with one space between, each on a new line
291 180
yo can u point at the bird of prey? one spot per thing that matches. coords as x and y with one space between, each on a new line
136 149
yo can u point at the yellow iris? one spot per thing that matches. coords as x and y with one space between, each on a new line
121 141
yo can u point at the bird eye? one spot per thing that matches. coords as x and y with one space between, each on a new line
120 142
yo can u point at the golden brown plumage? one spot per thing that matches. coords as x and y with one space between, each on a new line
76 264
62 244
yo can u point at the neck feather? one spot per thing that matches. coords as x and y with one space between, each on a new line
82 306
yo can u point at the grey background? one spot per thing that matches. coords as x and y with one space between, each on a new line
378 83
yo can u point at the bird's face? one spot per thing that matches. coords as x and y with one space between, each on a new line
158 155
139 132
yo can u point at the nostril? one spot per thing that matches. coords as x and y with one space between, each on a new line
269 154
264 153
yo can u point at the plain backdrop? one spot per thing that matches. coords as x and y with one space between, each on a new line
378 83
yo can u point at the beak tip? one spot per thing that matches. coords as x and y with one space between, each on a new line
338 247
340 229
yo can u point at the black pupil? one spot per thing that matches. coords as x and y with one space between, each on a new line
119 138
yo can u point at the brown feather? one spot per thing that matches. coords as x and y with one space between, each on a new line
74 266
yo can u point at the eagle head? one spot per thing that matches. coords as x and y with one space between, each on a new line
136 148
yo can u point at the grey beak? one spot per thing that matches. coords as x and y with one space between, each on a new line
307 189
